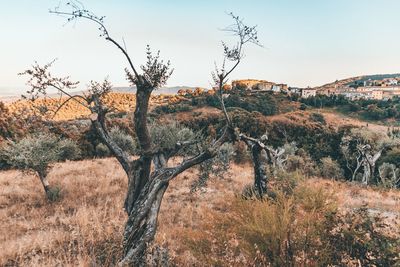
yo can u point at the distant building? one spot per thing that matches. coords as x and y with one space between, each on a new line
284 87
276 88
377 94
390 82
308 92
294 90
327 91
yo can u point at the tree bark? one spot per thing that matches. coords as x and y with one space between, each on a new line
369 163
43 179
260 174
141 226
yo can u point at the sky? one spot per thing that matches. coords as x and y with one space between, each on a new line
305 43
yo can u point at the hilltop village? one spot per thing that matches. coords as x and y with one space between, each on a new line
352 88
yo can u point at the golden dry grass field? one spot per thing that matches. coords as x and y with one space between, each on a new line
85 226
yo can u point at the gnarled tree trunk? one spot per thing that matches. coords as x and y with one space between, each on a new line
260 173
368 163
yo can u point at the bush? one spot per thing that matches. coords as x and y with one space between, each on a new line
102 151
266 104
303 106
318 117
166 135
331 169
241 154
389 176
123 140
302 163
303 228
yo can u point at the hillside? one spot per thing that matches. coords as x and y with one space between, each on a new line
362 78
85 227
122 102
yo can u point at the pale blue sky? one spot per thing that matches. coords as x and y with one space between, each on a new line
308 42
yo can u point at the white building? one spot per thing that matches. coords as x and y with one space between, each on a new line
308 92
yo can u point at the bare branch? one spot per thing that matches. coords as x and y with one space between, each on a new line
77 11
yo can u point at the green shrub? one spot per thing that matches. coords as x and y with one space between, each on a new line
317 117
168 134
331 169
302 163
37 153
123 140
102 151
389 176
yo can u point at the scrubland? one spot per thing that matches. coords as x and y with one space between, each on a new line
213 226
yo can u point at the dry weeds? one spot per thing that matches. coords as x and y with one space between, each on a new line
84 227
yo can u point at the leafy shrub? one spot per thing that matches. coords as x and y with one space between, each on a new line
318 117
266 104
38 152
302 163
168 134
167 109
389 175
125 141
331 169
102 150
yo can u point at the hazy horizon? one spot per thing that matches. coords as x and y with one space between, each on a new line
307 43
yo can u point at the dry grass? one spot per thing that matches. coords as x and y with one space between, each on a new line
85 226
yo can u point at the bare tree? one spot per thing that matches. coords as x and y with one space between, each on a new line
146 185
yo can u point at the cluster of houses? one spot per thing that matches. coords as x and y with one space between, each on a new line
365 89
377 90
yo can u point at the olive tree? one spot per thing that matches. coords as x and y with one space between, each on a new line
150 173
362 148
37 153
389 175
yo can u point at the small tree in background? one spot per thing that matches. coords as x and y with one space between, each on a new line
362 148
389 175
37 153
